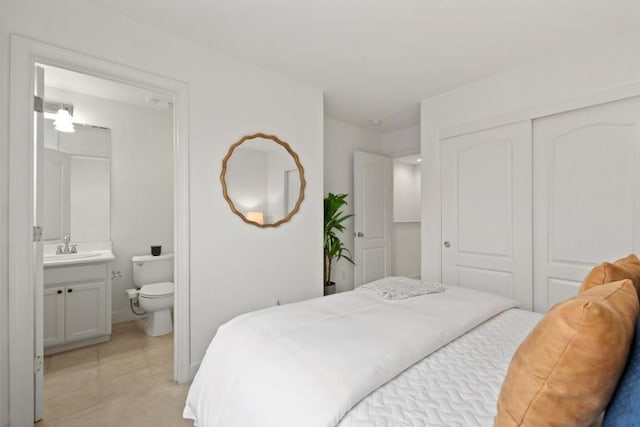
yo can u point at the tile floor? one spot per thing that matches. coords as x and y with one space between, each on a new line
127 381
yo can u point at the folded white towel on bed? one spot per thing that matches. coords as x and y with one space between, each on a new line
396 287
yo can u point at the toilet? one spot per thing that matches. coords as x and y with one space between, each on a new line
153 276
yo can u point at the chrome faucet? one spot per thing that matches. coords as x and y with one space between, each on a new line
66 248
67 238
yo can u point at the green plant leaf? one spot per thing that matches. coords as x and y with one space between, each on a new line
334 223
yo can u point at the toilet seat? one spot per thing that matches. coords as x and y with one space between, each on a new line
157 290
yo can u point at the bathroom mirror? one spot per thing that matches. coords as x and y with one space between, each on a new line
77 184
263 180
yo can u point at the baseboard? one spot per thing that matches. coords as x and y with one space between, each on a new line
124 316
76 344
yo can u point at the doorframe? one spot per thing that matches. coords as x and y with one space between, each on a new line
405 153
432 133
24 54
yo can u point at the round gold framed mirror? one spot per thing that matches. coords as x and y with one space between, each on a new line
263 180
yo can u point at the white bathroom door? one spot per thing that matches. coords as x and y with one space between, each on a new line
38 280
587 194
373 210
486 211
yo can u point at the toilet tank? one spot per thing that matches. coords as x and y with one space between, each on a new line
152 269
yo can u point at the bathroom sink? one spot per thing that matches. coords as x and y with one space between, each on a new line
79 255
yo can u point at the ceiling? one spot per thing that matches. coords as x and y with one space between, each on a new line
413 159
377 59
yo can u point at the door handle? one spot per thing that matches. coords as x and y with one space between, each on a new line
360 234
447 244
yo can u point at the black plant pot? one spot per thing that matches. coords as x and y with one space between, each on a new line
330 288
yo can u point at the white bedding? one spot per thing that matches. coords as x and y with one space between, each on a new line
457 386
307 364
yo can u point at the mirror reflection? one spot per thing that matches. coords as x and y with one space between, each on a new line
77 190
263 180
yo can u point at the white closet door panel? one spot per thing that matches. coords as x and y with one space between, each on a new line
484 197
587 187
486 211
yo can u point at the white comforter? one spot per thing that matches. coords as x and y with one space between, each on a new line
307 364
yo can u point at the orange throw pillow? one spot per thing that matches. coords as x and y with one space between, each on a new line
631 264
564 373
624 268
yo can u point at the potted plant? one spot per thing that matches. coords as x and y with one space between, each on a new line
334 248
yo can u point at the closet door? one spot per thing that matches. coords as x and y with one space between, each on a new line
587 194
486 211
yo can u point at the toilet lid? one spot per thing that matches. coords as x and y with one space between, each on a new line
157 289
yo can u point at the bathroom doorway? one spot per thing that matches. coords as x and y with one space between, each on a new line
106 167
26 294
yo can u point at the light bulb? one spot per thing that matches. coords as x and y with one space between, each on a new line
63 121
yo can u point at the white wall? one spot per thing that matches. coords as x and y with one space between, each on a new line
400 142
341 140
141 164
406 191
558 78
406 249
406 219
227 99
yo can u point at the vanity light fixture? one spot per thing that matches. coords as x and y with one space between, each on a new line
418 160
63 122
61 113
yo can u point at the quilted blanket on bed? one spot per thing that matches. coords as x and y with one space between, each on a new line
307 364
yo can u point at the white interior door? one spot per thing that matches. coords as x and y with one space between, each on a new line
38 134
373 216
587 194
486 211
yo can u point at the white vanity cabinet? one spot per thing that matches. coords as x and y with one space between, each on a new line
77 305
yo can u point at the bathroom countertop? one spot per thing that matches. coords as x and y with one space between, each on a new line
78 258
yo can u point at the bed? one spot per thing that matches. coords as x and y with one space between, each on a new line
357 359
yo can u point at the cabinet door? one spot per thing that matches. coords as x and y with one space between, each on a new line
486 211
85 311
53 316
587 194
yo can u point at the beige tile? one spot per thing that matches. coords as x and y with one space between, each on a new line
161 376
162 405
119 345
81 357
160 361
164 341
44 423
119 364
65 381
127 381
133 383
71 402
47 363
123 326
159 356
92 417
